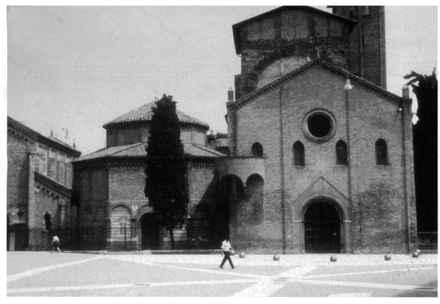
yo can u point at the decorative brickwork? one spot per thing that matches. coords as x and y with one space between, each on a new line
113 180
375 203
36 187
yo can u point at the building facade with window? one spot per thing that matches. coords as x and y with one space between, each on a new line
113 211
321 156
39 188
336 165
318 155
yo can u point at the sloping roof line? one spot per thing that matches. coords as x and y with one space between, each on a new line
138 150
145 113
236 27
301 70
112 152
53 184
62 146
216 153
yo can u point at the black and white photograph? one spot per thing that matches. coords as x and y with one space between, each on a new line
233 149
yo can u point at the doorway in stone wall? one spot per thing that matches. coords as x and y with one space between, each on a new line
224 219
150 232
322 228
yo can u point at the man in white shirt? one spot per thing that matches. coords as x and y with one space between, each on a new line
56 244
226 247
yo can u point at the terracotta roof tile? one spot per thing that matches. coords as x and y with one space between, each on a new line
138 150
145 113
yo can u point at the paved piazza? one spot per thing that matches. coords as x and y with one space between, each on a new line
73 274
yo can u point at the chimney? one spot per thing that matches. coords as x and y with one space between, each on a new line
230 95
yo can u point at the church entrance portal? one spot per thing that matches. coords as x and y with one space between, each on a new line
322 228
150 232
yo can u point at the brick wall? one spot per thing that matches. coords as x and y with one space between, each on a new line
126 183
18 172
34 199
127 135
367 42
205 208
193 134
91 187
375 190
300 34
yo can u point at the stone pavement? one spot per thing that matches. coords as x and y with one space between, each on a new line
72 274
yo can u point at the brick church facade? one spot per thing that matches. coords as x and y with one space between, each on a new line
321 154
318 156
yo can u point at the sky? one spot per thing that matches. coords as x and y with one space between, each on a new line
78 67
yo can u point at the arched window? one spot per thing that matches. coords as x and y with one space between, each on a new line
298 154
48 221
381 152
254 199
341 153
257 149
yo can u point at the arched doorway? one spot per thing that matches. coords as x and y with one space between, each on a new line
150 231
224 218
322 228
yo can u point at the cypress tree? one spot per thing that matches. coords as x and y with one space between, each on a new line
166 170
425 149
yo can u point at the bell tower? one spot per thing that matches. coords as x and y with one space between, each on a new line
279 41
367 42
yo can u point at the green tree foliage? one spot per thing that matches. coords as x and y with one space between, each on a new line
425 149
166 171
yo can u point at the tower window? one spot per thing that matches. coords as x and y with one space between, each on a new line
298 154
381 152
257 149
341 153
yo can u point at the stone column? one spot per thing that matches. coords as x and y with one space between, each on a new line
297 236
232 124
347 237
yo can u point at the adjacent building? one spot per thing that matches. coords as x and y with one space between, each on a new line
39 188
113 210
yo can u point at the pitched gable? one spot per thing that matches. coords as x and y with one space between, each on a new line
355 80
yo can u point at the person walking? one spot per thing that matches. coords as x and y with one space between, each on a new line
56 244
227 248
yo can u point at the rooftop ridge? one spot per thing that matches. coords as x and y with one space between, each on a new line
145 113
280 81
